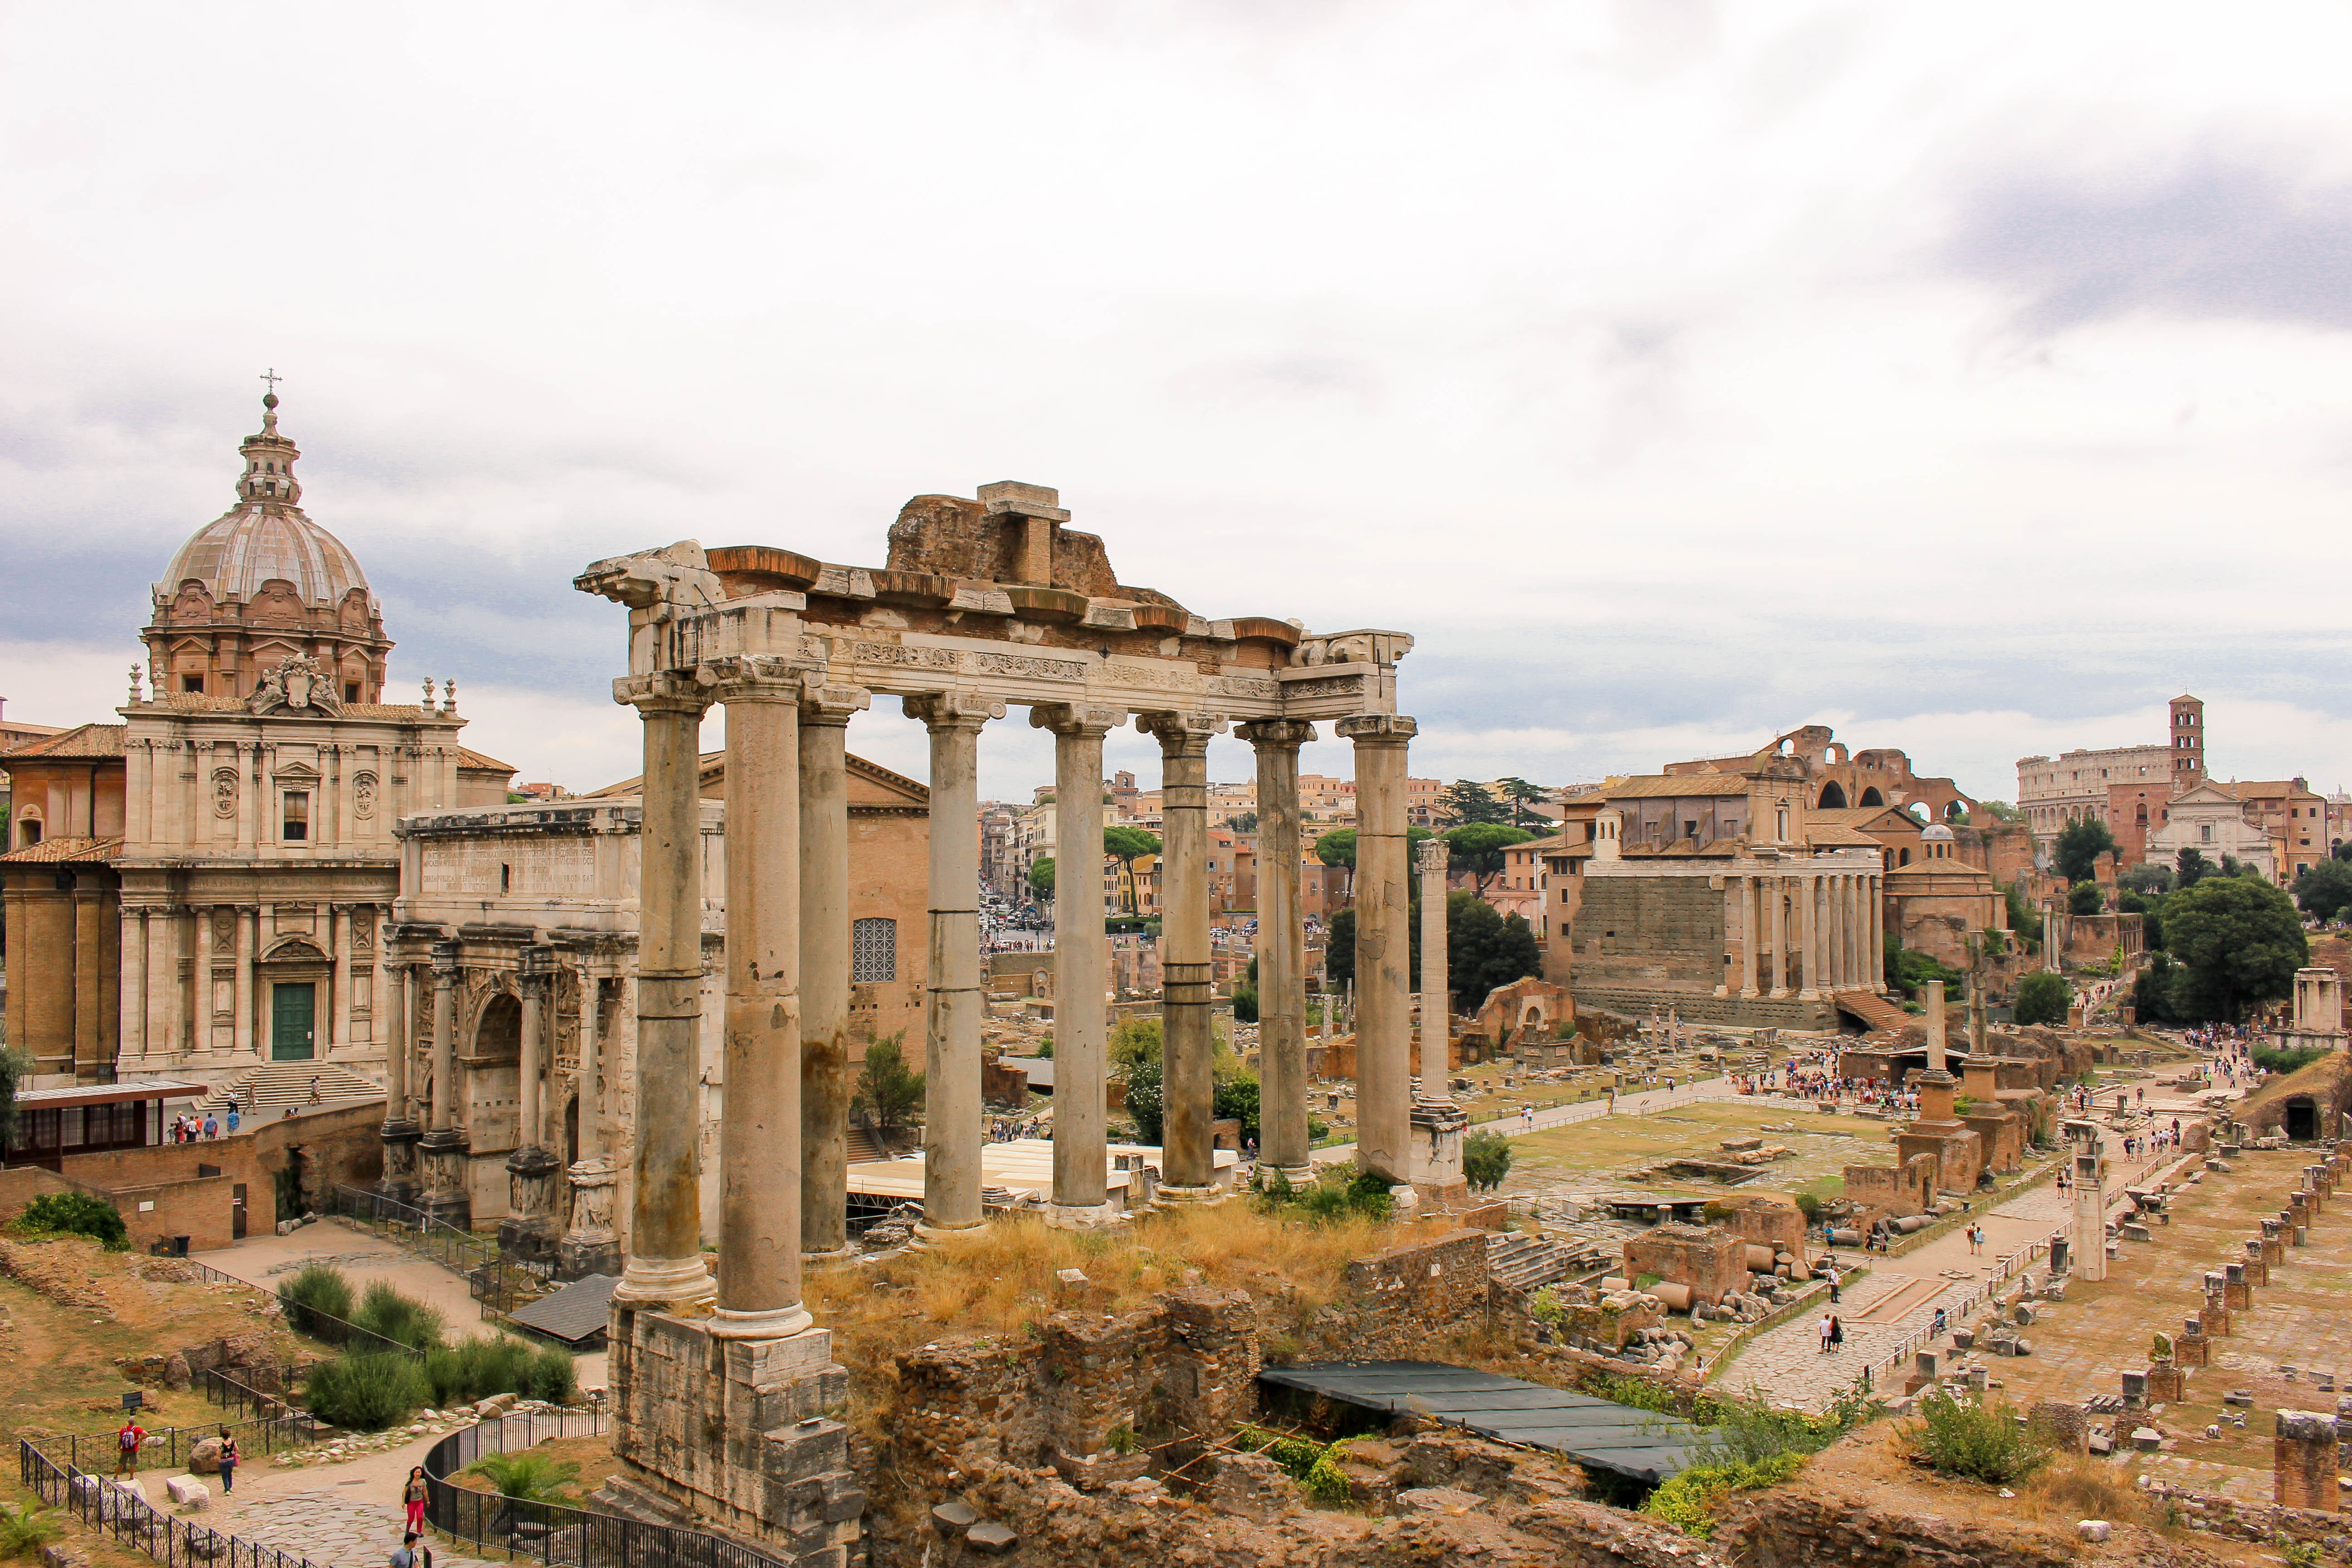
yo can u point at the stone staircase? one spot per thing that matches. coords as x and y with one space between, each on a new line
864 1146
1871 1011
273 1086
1526 1262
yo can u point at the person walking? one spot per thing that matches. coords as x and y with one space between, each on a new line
1837 1334
314 1090
126 1446
212 1127
227 1462
1828 1327
413 1495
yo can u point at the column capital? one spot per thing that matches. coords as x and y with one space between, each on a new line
1076 719
823 703
1176 731
1377 729
1287 734
1433 854
952 710
664 691
750 677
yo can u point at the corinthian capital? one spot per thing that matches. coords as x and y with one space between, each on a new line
1180 728
953 710
824 703
663 692
1076 719
1377 729
1283 735
750 677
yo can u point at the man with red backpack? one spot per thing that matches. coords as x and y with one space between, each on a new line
126 1446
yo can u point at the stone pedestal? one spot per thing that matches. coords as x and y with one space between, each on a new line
441 1160
400 1182
531 1229
2165 1383
1439 1127
590 1245
742 1436
2216 1318
2302 1461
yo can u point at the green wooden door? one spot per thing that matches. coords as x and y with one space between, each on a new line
290 1010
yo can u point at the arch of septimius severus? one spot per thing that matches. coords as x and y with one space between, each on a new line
986 604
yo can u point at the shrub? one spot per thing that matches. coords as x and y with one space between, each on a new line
366 1393
527 1477
74 1214
1244 1006
26 1528
1982 1442
402 1319
2042 997
476 1369
552 1376
1330 1199
1485 1158
1687 1501
1325 1482
2271 1059
1809 1205
314 1296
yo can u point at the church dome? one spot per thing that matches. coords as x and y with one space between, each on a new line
1940 834
266 536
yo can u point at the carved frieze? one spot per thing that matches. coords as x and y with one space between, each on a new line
1035 668
910 657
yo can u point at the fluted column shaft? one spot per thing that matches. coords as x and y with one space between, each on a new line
951 1118
445 1033
1436 1000
825 968
1383 950
1187 1087
1776 887
1081 960
1283 1141
760 1121
531 1127
665 1270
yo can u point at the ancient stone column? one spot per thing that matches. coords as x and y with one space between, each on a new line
951 1118
825 969
530 1227
1383 953
1436 1001
1081 955
530 1108
589 1245
1835 980
1875 935
1282 1143
663 1271
759 1118
442 1150
400 1132
1751 934
1776 888
1809 889
1188 1155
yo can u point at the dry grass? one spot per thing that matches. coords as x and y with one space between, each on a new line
2074 1487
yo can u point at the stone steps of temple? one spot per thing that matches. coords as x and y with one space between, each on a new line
1872 1011
272 1086
1527 1262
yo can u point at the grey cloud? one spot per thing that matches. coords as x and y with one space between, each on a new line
2210 236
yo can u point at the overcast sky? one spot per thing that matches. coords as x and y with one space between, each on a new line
1971 380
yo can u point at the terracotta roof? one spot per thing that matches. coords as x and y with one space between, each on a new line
1837 833
81 740
1687 849
469 758
63 852
1855 815
1670 785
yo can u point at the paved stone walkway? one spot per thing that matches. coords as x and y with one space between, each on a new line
332 1529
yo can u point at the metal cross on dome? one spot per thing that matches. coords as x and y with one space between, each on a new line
273 378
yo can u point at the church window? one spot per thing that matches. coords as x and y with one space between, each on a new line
192 683
298 815
873 952
29 830
350 691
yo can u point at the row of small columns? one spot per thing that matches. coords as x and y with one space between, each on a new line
1839 931
782 1162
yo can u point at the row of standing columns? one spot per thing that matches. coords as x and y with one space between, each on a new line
781 1137
1804 931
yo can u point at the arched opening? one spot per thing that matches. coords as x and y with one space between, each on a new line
1954 811
2302 1118
498 1035
1832 796
1871 796
1902 858
571 1130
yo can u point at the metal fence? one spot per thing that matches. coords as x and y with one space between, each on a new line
231 1393
499 1282
131 1519
550 1532
171 1446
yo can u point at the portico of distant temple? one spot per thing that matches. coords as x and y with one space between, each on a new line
986 604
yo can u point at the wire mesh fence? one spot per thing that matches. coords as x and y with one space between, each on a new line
499 1282
552 1532
171 1446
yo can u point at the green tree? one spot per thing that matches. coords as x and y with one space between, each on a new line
1146 1104
2080 844
1243 822
2152 991
1520 794
1485 1158
1041 876
1908 969
1127 845
1484 949
1479 849
2192 867
13 1066
1337 849
2343 851
1467 803
1340 951
1999 810
1236 1101
2023 918
2085 898
2147 877
2238 941
2325 890
2042 997
887 1091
